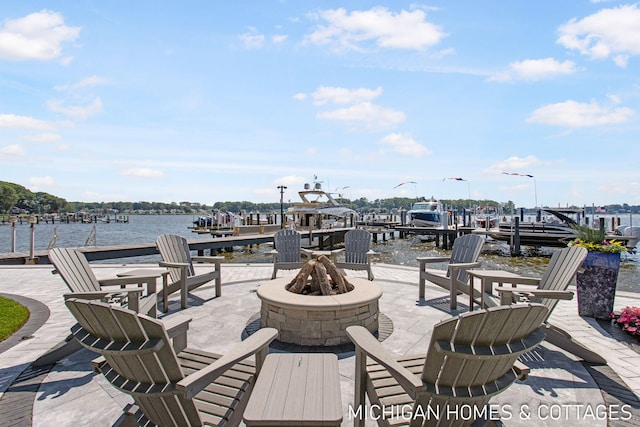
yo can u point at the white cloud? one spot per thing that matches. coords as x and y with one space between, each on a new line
38 183
609 32
576 114
11 151
87 81
80 112
514 164
300 96
404 144
372 116
535 69
42 137
292 182
342 96
351 31
24 122
37 36
252 40
143 173
279 38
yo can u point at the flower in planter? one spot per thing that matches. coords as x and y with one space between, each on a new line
594 240
628 319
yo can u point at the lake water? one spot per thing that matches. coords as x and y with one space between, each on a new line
145 229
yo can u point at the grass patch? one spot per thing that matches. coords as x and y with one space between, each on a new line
12 317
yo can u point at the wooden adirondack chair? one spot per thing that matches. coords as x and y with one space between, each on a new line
287 251
464 255
357 252
551 287
76 272
170 386
470 358
176 256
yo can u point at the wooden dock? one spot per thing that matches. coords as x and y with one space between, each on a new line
326 239
443 237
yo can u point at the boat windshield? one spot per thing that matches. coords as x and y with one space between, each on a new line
427 216
426 206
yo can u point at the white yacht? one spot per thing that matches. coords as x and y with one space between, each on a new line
318 208
425 214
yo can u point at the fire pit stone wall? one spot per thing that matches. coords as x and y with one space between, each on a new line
319 320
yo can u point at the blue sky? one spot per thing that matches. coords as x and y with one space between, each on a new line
224 101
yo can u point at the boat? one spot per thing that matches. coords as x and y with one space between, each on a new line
554 229
425 214
629 234
487 217
318 208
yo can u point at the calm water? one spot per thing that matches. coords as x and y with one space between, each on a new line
145 229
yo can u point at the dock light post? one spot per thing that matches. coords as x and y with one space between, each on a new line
461 179
535 188
12 220
32 225
282 188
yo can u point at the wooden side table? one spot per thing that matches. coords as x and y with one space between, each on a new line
489 277
149 276
296 389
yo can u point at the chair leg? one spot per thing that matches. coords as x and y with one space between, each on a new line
360 381
453 294
218 282
183 292
562 339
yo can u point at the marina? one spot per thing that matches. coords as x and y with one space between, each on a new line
137 236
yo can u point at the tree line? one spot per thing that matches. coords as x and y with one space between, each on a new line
15 198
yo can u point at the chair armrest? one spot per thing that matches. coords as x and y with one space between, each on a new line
126 280
86 295
272 253
194 383
208 259
131 291
306 252
463 266
177 328
98 363
372 348
337 251
518 280
539 293
507 293
521 370
183 266
432 259
176 325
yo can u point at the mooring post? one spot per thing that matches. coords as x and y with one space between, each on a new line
515 248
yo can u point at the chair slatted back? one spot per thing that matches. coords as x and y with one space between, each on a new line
141 360
74 269
357 243
288 244
174 248
466 249
562 268
472 355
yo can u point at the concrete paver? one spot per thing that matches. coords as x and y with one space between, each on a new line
560 389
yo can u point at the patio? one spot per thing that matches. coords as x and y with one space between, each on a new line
560 388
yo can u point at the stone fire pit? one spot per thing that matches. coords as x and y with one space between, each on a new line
318 320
